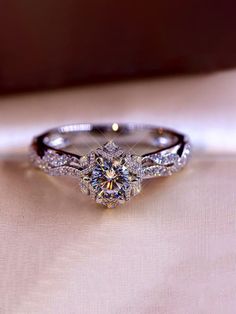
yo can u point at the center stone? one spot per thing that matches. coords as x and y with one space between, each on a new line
110 179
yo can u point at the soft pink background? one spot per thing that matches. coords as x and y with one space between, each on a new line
171 250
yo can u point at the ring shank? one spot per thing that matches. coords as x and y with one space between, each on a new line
169 151
60 138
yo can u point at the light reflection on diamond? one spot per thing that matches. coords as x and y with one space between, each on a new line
110 180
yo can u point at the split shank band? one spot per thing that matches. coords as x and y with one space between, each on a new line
110 174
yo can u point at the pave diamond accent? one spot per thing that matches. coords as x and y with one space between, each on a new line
110 150
56 164
165 163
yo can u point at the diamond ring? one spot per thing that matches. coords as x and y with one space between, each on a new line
109 174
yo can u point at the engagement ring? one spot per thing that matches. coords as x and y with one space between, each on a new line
112 172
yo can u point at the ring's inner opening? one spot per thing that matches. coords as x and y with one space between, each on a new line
82 138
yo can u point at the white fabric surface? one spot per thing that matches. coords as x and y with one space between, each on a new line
171 250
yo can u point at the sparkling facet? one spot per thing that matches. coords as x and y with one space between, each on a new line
110 179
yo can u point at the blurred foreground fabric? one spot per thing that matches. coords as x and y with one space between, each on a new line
171 250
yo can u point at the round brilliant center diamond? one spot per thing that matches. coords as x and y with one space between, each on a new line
110 179
110 176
